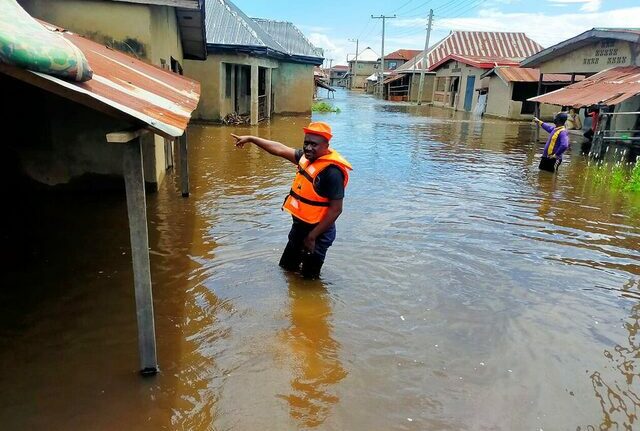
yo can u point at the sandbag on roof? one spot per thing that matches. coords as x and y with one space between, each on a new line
26 43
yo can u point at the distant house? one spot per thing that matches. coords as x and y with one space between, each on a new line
161 32
397 58
609 58
255 67
338 76
508 89
502 46
362 66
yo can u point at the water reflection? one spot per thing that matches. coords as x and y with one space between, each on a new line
613 385
314 352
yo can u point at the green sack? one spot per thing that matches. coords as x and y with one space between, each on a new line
26 43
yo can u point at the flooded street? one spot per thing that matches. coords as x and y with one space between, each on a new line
465 291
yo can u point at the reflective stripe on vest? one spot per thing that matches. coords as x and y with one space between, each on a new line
303 202
554 139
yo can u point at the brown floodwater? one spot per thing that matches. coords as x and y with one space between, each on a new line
466 291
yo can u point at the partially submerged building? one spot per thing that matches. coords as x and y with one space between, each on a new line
96 127
610 59
338 76
255 67
508 89
478 47
159 32
361 67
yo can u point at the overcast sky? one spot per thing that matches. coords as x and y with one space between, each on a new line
329 24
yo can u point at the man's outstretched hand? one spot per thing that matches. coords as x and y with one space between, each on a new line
241 140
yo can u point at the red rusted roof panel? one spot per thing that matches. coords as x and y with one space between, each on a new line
158 98
402 54
611 87
524 74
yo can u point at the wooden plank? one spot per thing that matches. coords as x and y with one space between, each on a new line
137 213
125 136
184 165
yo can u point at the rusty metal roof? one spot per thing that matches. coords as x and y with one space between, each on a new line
475 61
610 86
123 86
513 46
523 74
402 54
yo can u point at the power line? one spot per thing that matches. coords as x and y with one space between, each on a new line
473 6
418 7
403 5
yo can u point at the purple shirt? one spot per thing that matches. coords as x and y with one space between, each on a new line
560 142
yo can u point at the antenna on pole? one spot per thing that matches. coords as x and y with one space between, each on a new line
424 58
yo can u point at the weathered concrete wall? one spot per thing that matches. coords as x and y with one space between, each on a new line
148 32
498 98
463 72
595 58
292 88
365 69
123 26
211 73
427 89
55 140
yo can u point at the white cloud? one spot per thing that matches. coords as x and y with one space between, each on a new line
587 5
546 29
336 49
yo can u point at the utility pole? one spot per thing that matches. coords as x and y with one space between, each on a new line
380 86
330 66
354 75
424 58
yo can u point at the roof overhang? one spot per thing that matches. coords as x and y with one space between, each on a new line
123 87
193 33
610 87
262 51
583 39
479 62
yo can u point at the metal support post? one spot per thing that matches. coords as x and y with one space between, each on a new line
184 164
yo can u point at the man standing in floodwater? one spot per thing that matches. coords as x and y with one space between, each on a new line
315 198
557 143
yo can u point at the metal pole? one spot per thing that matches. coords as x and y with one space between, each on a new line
184 164
354 73
137 212
381 78
424 58
537 108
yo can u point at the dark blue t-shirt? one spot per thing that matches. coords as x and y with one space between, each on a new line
329 183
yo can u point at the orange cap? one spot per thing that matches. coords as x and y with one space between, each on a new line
319 128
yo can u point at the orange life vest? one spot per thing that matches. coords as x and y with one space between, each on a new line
303 202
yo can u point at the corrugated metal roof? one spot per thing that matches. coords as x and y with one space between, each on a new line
228 25
289 37
610 86
187 4
123 86
366 55
523 74
515 46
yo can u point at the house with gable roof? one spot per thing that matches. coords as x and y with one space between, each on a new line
255 67
456 62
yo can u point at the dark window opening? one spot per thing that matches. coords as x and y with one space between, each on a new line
228 82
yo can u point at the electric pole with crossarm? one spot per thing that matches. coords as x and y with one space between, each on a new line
381 77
